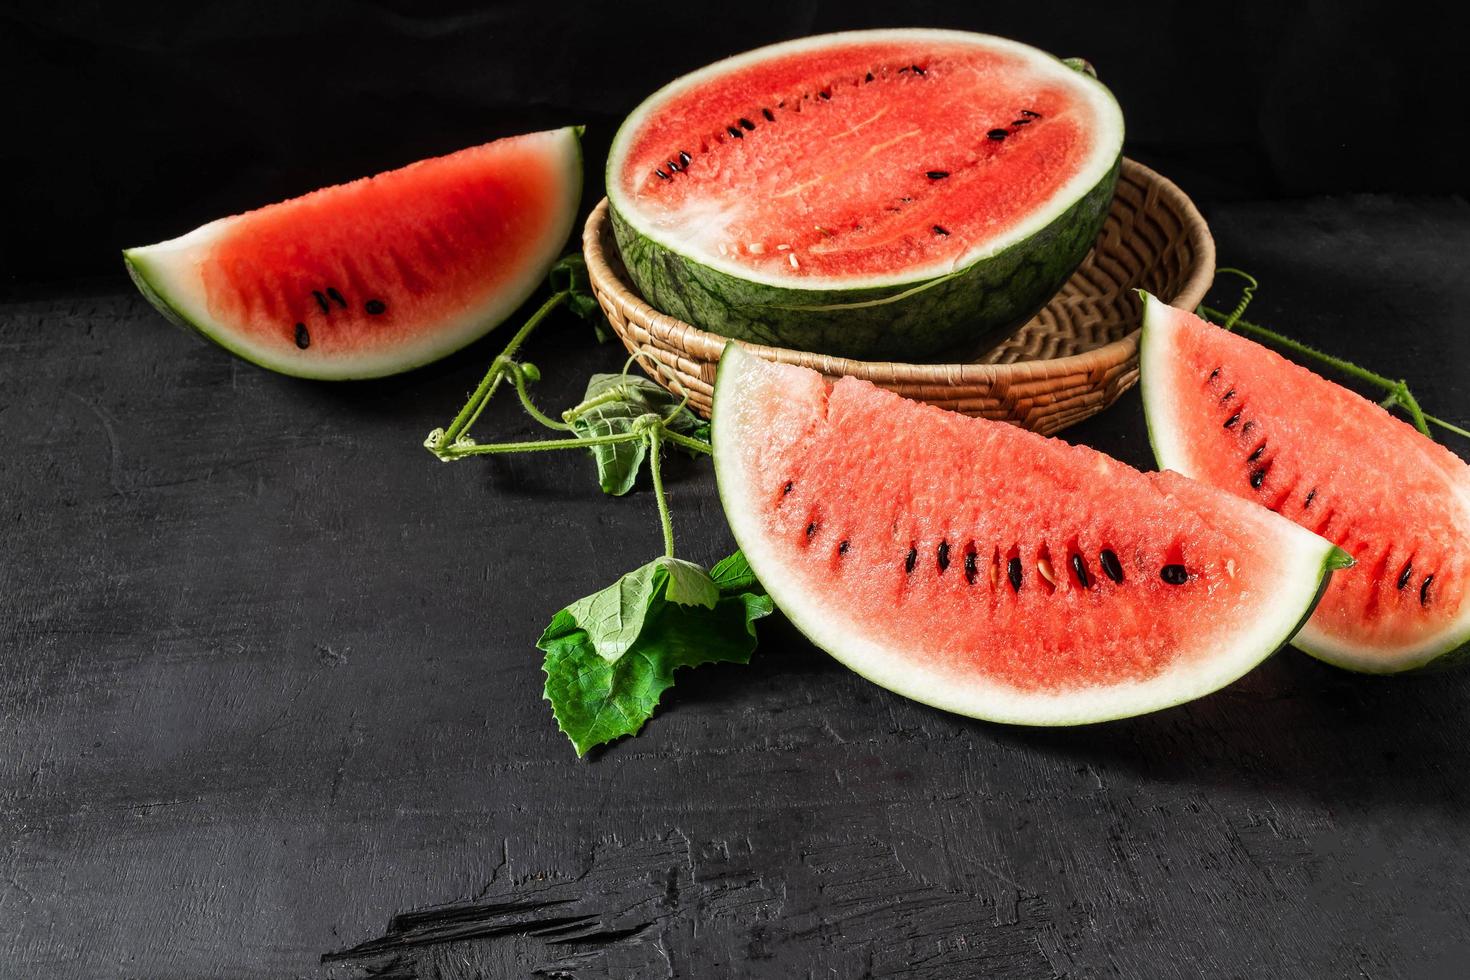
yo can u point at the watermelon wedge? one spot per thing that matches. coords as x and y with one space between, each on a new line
1225 410
379 275
888 193
990 571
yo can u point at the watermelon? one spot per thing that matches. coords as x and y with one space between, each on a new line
1225 410
991 571
892 193
381 274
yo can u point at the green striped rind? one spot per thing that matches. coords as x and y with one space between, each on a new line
970 307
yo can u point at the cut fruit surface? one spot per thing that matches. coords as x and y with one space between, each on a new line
990 571
381 274
926 185
1225 410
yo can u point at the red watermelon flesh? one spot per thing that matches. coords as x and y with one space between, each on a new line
380 274
1225 410
992 571
853 156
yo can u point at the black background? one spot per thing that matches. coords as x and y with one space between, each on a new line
129 123
266 668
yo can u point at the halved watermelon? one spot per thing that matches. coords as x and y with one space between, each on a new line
873 193
987 570
379 275
1223 409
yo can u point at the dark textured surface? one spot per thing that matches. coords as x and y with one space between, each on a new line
268 681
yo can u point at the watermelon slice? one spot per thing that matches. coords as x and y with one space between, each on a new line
874 193
379 275
990 571
1225 410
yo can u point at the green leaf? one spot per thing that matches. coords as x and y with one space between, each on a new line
570 275
596 698
613 617
615 403
733 574
689 584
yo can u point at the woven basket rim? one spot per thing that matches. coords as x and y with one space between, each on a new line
708 346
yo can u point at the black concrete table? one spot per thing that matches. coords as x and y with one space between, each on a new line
270 705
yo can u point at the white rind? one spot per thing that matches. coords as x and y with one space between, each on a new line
1163 413
1303 561
1106 150
170 272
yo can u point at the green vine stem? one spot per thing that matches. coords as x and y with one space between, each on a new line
518 374
488 385
655 470
1398 390
463 449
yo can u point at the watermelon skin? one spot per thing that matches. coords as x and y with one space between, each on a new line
380 275
970 309
1333 462
963 273
826 488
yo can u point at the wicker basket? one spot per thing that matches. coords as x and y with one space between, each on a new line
1071 360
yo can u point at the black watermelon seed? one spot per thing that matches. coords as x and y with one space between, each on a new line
1311 494
1424 589
303 338
811 529
1020 122
910 561
997 134
734 132
684 158
661 174
971 570
941 230
825 94
1030 114
770 116
1174 574
746 124
1257 454
1227 396
1080 569
1230 422
336 297
868 77
375 307
787 488
1258 477
673 167
1013 572
1111 566
1404 575
936 174
1214 374
942 555
322 301
843 545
